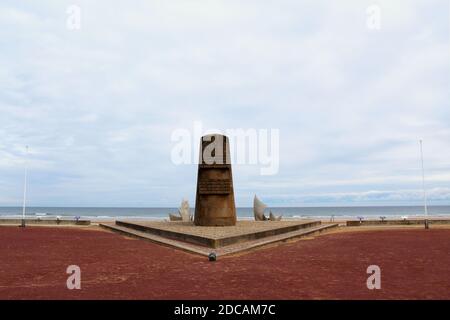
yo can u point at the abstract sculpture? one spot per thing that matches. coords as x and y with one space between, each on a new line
184 213
258 211
273 217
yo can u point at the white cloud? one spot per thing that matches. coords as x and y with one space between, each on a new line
98 105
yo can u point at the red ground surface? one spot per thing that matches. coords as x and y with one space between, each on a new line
414 264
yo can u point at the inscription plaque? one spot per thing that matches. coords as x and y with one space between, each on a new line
214 186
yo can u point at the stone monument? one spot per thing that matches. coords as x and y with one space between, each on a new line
214 203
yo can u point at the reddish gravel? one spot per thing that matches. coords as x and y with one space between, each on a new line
415 264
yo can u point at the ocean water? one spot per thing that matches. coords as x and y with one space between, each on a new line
243 213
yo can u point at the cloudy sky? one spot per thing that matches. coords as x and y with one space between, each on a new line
98 105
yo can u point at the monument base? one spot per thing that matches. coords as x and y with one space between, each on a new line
202 240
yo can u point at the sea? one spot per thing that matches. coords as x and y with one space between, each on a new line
98 214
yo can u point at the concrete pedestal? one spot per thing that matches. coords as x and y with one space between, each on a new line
214 203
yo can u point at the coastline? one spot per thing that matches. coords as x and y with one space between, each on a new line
340 220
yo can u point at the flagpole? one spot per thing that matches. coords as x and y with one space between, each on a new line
423 187
25 189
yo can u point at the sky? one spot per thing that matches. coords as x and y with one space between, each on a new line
350 91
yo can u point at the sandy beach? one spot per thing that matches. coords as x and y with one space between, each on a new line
414 264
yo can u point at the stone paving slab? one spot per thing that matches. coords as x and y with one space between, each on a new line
226 250
241 227
216 237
